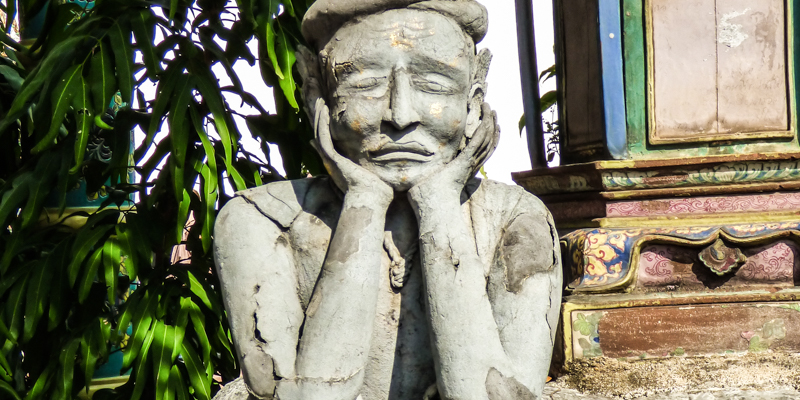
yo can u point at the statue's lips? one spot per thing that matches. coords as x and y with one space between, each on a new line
393 151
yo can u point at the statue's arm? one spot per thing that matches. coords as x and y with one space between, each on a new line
525 284
493 343
337 334
257 272
465 339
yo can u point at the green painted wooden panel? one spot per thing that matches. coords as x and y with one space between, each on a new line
636 86
635 73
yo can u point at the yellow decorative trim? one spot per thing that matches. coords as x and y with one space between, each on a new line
105 383
663 221
51 216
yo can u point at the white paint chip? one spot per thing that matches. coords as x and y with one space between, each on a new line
730 34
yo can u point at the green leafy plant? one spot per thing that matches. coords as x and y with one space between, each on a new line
65 307
548 103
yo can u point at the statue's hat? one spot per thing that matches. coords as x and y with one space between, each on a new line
325 17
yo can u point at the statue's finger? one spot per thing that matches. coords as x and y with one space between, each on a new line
317 110
483 134
490 137
495 136
323 132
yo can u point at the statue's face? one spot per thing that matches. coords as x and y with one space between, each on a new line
400 87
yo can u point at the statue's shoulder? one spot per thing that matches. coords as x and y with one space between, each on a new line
510 200
284 201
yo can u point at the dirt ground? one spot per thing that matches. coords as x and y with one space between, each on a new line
776 373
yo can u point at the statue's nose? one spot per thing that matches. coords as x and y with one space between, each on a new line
401 112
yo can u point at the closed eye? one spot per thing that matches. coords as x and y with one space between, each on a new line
366 83
430 86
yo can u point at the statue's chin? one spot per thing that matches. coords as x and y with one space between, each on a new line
401 179
404 175
401 187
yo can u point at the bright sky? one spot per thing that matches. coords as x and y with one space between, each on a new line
504 87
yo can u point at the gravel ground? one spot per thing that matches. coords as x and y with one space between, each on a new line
553 392
763 375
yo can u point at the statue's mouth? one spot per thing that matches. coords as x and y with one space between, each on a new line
393 151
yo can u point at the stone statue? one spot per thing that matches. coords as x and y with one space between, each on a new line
401 276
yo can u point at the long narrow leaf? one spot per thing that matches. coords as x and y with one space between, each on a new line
128 250
177 384
177 121
163 340
41 385
128 309
199 324
84 244
196 287
142 320
39 188
286 59
200 381
5 369
90 274
15 308
183 215
38 77
112 258
37 298
88 357
269 34
57 263
61 99
143 29
141 368
8 281
84 118
180 325
8 390
6 334
207 84
120 36
13 197
166 88
210 184
67 361
103 82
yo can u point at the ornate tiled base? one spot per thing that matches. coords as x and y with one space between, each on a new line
604 260
678 258
667 325
681 291
691 329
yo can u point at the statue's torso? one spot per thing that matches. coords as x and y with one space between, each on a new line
400 362
400 365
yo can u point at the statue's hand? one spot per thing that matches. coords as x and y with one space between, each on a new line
452 178
350 177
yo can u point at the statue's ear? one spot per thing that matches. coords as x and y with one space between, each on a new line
478 91
308 66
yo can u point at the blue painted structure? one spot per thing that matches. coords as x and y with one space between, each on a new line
613 82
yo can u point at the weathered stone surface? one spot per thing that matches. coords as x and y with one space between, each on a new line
400 275
236 390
